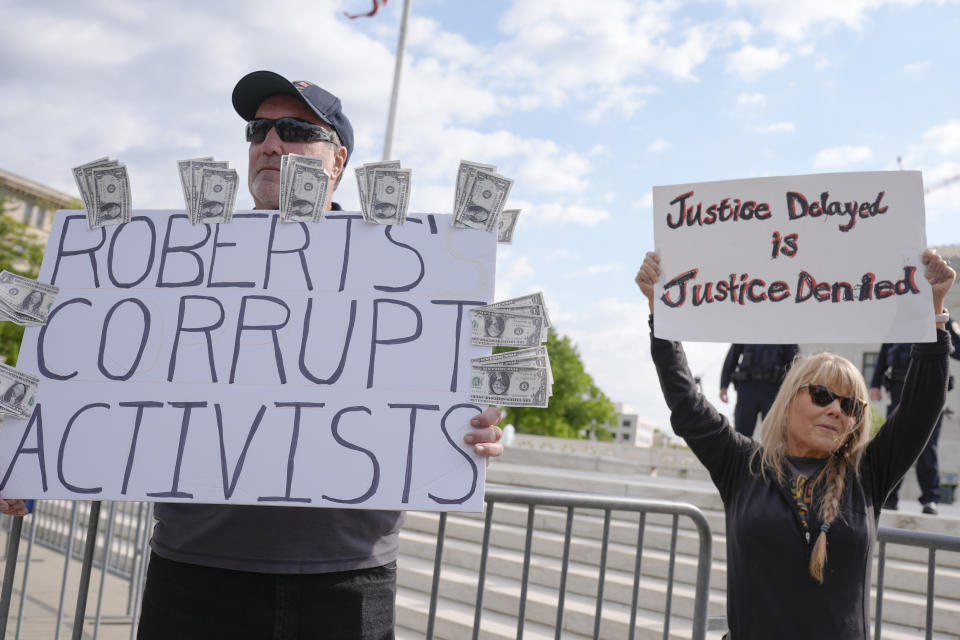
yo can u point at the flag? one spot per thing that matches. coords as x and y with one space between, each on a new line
377 4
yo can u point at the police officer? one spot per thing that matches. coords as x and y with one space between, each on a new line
756 371
889 373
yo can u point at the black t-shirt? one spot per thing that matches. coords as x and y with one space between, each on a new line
803 472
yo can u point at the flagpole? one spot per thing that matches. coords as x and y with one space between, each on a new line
392 115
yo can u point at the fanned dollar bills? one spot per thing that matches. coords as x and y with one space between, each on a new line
24 301
517 322
304 185
384 189
520 378
105 189
479 199
18 391
209 189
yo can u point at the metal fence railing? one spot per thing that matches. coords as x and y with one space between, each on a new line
607 505
114 542
933 542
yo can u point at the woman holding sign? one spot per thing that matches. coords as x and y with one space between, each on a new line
815 479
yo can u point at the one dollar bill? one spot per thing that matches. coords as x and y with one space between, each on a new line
509 386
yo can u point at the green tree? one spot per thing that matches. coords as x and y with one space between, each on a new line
577 409
20 253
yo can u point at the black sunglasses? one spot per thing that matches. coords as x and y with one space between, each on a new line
822 396
289 130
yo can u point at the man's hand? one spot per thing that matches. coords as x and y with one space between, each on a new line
876 395
723 395
13 507
486 435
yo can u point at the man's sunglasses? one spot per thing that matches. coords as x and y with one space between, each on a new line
289 130
822 397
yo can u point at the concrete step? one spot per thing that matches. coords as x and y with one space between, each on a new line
502 596
545 571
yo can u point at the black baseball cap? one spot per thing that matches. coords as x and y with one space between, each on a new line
256 87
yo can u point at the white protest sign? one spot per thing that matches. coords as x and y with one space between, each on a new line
814 258
255 362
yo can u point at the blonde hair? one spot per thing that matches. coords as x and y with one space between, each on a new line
840 376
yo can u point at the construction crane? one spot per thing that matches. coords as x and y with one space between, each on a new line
935 185
942 184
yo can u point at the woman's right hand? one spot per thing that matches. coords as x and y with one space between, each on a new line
648 274
13 507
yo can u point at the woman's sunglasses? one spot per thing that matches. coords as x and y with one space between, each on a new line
289 130
822 397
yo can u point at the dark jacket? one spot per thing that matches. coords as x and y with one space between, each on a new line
770 593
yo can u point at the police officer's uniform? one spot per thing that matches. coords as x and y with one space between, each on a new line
756 371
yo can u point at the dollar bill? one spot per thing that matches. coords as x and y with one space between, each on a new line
484 201
83 178
186 179
373 166
509 386
530 357
196 169
362 191
111 196
307 194
390 195
495 327
18 391
506 224
533 303
21 296
465 173
287 161
82 187
216 195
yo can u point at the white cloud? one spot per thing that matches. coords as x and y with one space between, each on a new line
776 127
751 62
600 269
645 202
752 99
658 145
944 138
917 67
796 20
599 150
625 99
841 157
557 213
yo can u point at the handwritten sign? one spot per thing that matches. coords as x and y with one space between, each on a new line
815 258
255 362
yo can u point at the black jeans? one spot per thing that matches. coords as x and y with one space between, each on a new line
186 602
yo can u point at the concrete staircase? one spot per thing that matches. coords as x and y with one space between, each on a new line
664 474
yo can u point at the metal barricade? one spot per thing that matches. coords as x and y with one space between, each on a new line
113 540
572 502
933 542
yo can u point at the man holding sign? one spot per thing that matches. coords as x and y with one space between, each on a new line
248 571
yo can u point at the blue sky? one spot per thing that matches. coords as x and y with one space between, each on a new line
587 104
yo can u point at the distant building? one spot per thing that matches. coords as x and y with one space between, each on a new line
33 203
628 428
